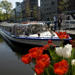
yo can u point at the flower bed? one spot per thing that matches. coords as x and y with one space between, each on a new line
59 61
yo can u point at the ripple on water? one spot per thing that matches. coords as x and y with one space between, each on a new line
10 63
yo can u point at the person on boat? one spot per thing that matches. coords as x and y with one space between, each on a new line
49 27
48 22
38 34
55 23
59 22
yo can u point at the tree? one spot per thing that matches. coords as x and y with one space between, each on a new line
63 5
1 15
7 6
28 11
35 13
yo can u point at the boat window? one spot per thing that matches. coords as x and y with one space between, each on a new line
33 29
28 29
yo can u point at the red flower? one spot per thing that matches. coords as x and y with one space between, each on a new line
38 69
60 33
43 60
71 41
33 49
36 52
26 58
49 41
56 32
67 36
64 33
52 44
61 67
45 47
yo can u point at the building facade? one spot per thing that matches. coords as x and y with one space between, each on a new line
29 9
48 9
13 16
18 12
72 5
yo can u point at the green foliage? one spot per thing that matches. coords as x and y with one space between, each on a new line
63 5
7 7
28 12
35 12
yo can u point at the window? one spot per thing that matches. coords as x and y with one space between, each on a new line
52 3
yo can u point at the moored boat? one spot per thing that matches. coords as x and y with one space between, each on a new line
33 33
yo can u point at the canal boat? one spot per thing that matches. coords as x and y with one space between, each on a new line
31 33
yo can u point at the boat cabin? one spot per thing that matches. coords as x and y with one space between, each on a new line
25 29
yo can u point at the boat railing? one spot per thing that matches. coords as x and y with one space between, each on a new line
68 24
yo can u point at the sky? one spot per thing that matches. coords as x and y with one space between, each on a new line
13 2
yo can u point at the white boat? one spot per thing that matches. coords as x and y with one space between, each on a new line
34 34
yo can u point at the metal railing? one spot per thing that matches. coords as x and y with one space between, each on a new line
68 24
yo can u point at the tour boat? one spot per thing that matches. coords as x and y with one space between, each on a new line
32 33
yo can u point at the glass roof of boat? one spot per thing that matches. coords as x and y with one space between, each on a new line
20 24
32 28
33 23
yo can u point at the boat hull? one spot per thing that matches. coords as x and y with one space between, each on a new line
28 41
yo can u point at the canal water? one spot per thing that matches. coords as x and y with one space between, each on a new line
10 61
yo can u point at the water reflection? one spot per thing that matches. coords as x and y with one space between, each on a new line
18 49
10 62
1 40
